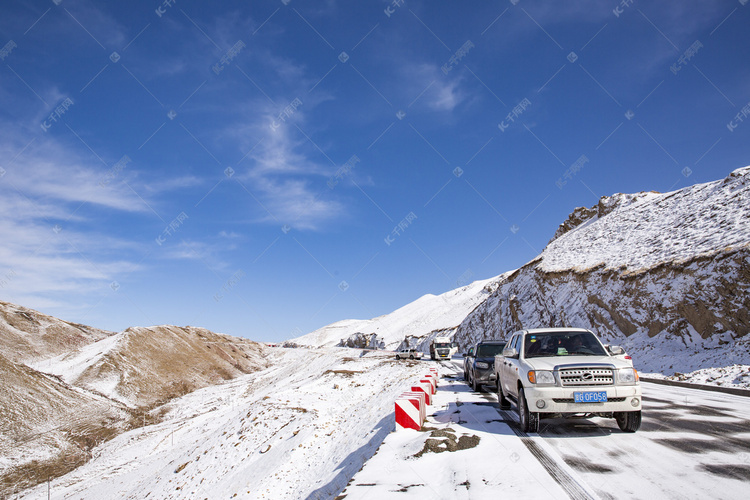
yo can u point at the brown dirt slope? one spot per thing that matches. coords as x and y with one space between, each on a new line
150 366
48 428
27 335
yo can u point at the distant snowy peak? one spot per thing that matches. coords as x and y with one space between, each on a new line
411 324
634 233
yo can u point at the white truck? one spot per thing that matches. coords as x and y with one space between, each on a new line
553 372
442 348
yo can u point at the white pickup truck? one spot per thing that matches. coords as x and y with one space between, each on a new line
552 372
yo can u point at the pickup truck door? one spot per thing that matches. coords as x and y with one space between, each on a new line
509 369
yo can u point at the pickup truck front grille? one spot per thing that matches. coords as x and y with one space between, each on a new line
586 376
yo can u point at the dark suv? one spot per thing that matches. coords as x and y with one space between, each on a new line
479 363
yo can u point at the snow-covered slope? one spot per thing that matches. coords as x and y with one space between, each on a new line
48 428
298 429
27 335
146 366
665 275
655 228
414 324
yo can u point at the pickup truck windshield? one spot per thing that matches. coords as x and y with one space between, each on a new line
489 350
548 344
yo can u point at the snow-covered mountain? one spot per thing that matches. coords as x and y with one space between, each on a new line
412 325
665 275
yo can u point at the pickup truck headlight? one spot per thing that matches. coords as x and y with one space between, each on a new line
541 377
627 376
482 365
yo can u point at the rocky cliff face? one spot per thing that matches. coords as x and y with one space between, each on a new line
665 275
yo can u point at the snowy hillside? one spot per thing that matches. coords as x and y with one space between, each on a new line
48 428
27 335
655 228
665 275
144 366
298 429
414 324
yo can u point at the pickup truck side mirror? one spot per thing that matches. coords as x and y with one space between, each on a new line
510 352
616 350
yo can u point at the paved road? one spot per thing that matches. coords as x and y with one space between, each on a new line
692 444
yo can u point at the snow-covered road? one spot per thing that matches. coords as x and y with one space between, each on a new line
692 444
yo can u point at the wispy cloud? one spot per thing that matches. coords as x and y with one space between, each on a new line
50 254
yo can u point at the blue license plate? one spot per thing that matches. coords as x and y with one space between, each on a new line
590 397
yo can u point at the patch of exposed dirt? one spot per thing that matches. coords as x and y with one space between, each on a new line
441 440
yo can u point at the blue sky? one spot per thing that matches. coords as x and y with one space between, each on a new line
265 168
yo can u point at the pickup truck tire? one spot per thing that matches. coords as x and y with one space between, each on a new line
628 421
411 357
501 399
529 420
474 386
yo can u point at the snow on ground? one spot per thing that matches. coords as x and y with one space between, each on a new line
728 376
692 444
426 314
472 454
657 228
70 366
300 428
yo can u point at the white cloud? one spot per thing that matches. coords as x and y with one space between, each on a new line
49 256
291 184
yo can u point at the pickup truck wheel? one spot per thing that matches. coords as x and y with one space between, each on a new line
411 357
529 420
501 399
628 421
397 356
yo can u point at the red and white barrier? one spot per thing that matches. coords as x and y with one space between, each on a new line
432 381
425 387
411 406
410 410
